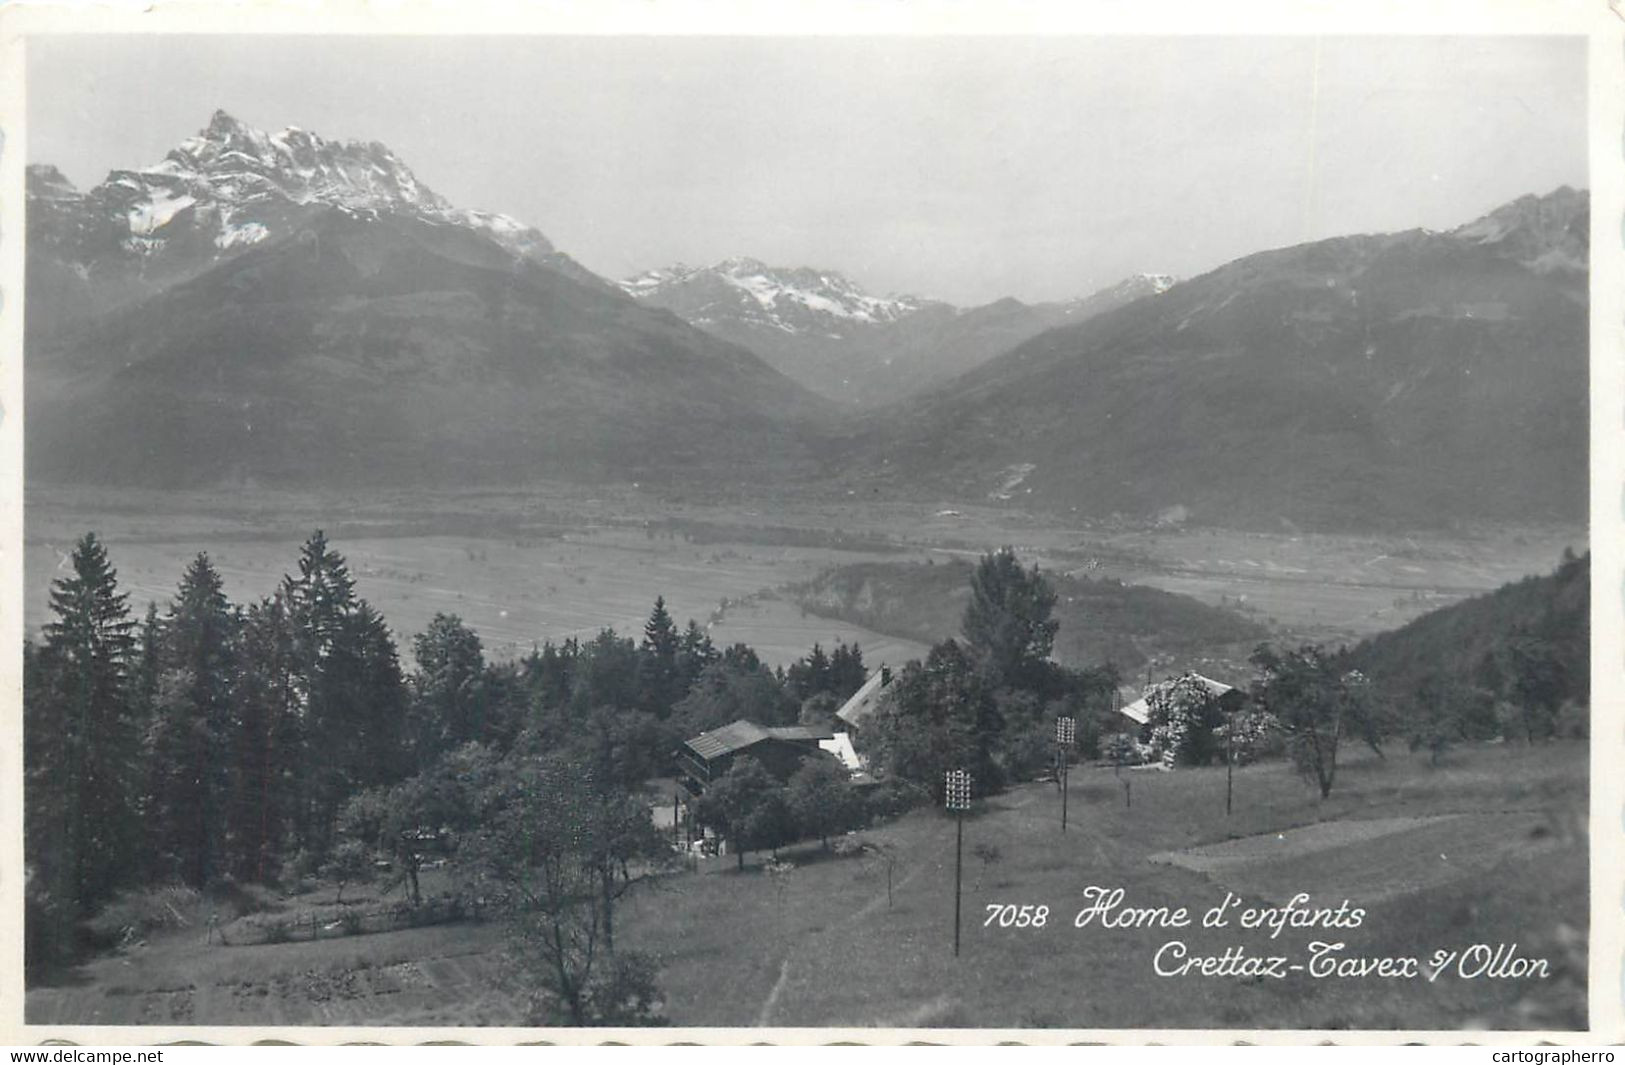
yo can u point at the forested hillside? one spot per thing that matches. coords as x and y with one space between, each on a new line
1523 650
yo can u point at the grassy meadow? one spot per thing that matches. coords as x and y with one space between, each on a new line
1489 847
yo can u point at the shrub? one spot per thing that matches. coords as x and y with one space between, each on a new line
350 920
279 931
1573 722
627 996
1121 748
890 798
849 847
138 912
1257 736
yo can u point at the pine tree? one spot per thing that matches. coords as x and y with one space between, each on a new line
846 671
190 744
267 742
659 633
658 673
320 599
320 603
81 739
694 654
375 741
144 687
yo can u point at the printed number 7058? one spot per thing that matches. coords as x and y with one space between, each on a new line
1009 915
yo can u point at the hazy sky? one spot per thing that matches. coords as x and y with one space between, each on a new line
965 169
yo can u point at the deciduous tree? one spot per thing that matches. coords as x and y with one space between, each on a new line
1007 623
821 799
1315 704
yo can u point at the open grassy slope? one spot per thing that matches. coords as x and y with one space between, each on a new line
822 946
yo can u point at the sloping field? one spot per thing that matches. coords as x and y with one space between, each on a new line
827 945
1370 860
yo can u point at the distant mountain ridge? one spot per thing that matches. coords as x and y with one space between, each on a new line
218 193
1402 379
280 309
822 329
801 300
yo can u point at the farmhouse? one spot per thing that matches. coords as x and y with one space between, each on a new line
1140 712
709 755
855 710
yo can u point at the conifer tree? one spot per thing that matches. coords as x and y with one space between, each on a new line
81 739
191 731
320 602
267 741
695 652
374 741
658 670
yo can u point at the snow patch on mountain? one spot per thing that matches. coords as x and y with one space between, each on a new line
156 210
243 180
231 235
798 301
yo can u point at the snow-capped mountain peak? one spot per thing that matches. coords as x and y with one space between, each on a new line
238 161
234 185
1127 290
791 300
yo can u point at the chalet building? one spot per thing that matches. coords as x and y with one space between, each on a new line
1140 713
709 755
856 710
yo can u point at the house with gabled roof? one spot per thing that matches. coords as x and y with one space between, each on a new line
781 748
1139 711
864 701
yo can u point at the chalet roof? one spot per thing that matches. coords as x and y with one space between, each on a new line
799 733
742 734
1140 712
864 700
734 737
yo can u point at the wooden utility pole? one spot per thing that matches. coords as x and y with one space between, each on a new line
1229 761
959 870
957 799
1065 732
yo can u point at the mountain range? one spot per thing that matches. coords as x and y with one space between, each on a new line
822 330
283 309
1365 381
277 308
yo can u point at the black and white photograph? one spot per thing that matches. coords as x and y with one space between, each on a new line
877 531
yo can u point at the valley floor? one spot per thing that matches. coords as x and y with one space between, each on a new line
524 566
